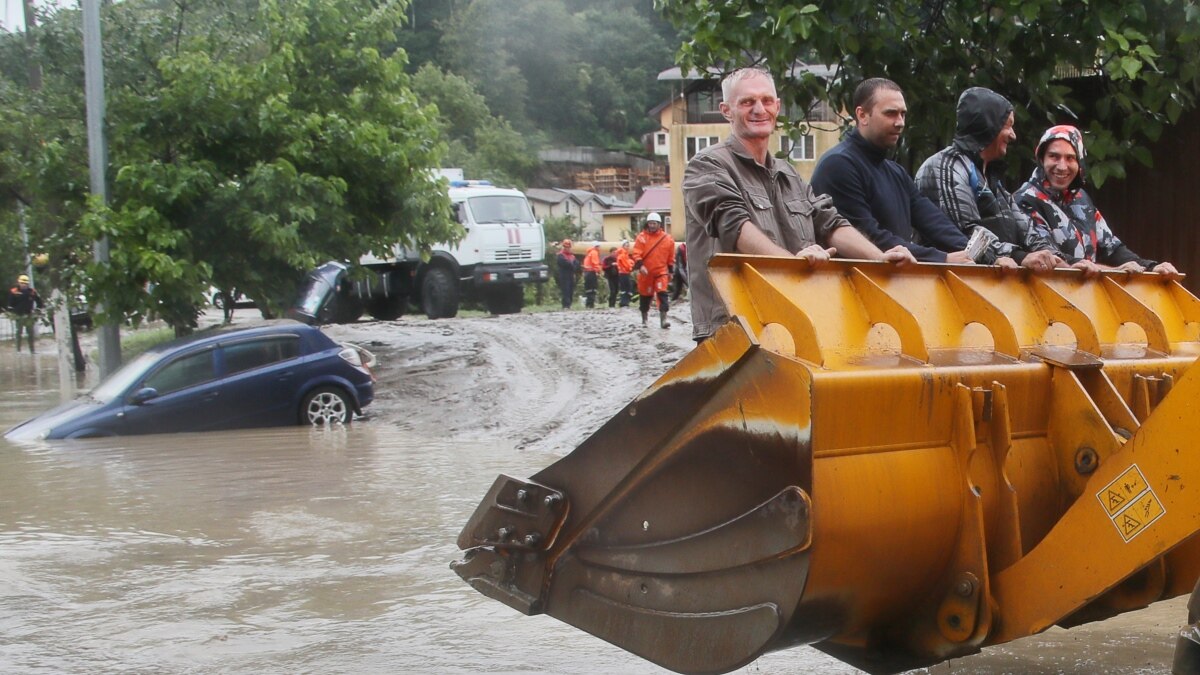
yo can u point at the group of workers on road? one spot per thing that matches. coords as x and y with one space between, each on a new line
652 260
861 204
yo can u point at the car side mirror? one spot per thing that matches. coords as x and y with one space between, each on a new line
142 395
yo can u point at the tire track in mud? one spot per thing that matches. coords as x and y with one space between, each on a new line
543 381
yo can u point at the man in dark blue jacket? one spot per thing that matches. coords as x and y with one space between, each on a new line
875 193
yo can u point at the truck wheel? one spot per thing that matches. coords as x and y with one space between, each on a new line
388 309
439 294
505 299
348 309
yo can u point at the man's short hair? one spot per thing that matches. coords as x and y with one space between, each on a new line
864 93
738 75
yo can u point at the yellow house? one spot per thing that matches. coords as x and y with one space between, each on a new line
691 120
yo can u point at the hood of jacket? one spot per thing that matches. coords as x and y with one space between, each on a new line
1061 132
981 115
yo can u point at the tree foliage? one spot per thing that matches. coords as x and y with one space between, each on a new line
581 73
43 170
251 139
246 146
483 145
1121 71
559 228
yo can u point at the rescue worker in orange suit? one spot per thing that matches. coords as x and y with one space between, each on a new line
610 275
625 272
566 265
654 261
591 274
23 299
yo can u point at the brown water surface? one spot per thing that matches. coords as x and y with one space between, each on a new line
306 550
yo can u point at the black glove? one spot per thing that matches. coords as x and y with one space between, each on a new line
637 265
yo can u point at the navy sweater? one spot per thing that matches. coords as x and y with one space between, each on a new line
879 197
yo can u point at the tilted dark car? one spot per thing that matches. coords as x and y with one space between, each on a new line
276 374
327 296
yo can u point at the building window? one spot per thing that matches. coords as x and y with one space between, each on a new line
697 143
704 105
802 150
660 138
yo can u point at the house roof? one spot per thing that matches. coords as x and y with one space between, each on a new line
661 106
581 197
546 195
655 198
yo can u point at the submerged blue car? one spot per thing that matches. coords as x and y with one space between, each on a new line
275 374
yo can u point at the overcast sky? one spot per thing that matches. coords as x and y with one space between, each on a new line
14 12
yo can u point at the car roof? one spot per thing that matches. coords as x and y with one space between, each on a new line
218 334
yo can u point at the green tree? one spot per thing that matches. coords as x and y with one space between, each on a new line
559 228
43 153
483 145
583 73
246 146
1120 71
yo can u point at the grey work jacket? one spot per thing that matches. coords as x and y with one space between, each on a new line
723 187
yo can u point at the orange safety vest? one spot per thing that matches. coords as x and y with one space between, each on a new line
591 261
624 262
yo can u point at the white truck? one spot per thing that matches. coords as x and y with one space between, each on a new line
503 249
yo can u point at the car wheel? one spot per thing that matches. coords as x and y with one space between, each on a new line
439 294
326 406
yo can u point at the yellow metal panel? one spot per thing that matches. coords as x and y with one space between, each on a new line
1178 310
884 308
1060 575
901 464
974 305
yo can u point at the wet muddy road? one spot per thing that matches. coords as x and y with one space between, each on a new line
300 550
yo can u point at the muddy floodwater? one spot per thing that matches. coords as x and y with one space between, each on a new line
301 550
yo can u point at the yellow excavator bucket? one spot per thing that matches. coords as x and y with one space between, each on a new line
897 465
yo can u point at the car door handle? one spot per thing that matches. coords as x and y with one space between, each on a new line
210 397
284 377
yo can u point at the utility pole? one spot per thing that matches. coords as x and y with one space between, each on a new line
35 66
93 76
63 338
35 85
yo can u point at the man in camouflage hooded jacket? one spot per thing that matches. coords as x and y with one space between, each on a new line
1056 201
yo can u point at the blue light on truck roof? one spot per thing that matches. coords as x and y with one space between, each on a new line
470 183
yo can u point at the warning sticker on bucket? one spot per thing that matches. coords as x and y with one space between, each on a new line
1130 503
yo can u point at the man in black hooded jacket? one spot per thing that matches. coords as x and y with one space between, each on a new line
964 180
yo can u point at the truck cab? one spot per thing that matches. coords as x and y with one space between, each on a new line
502 249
